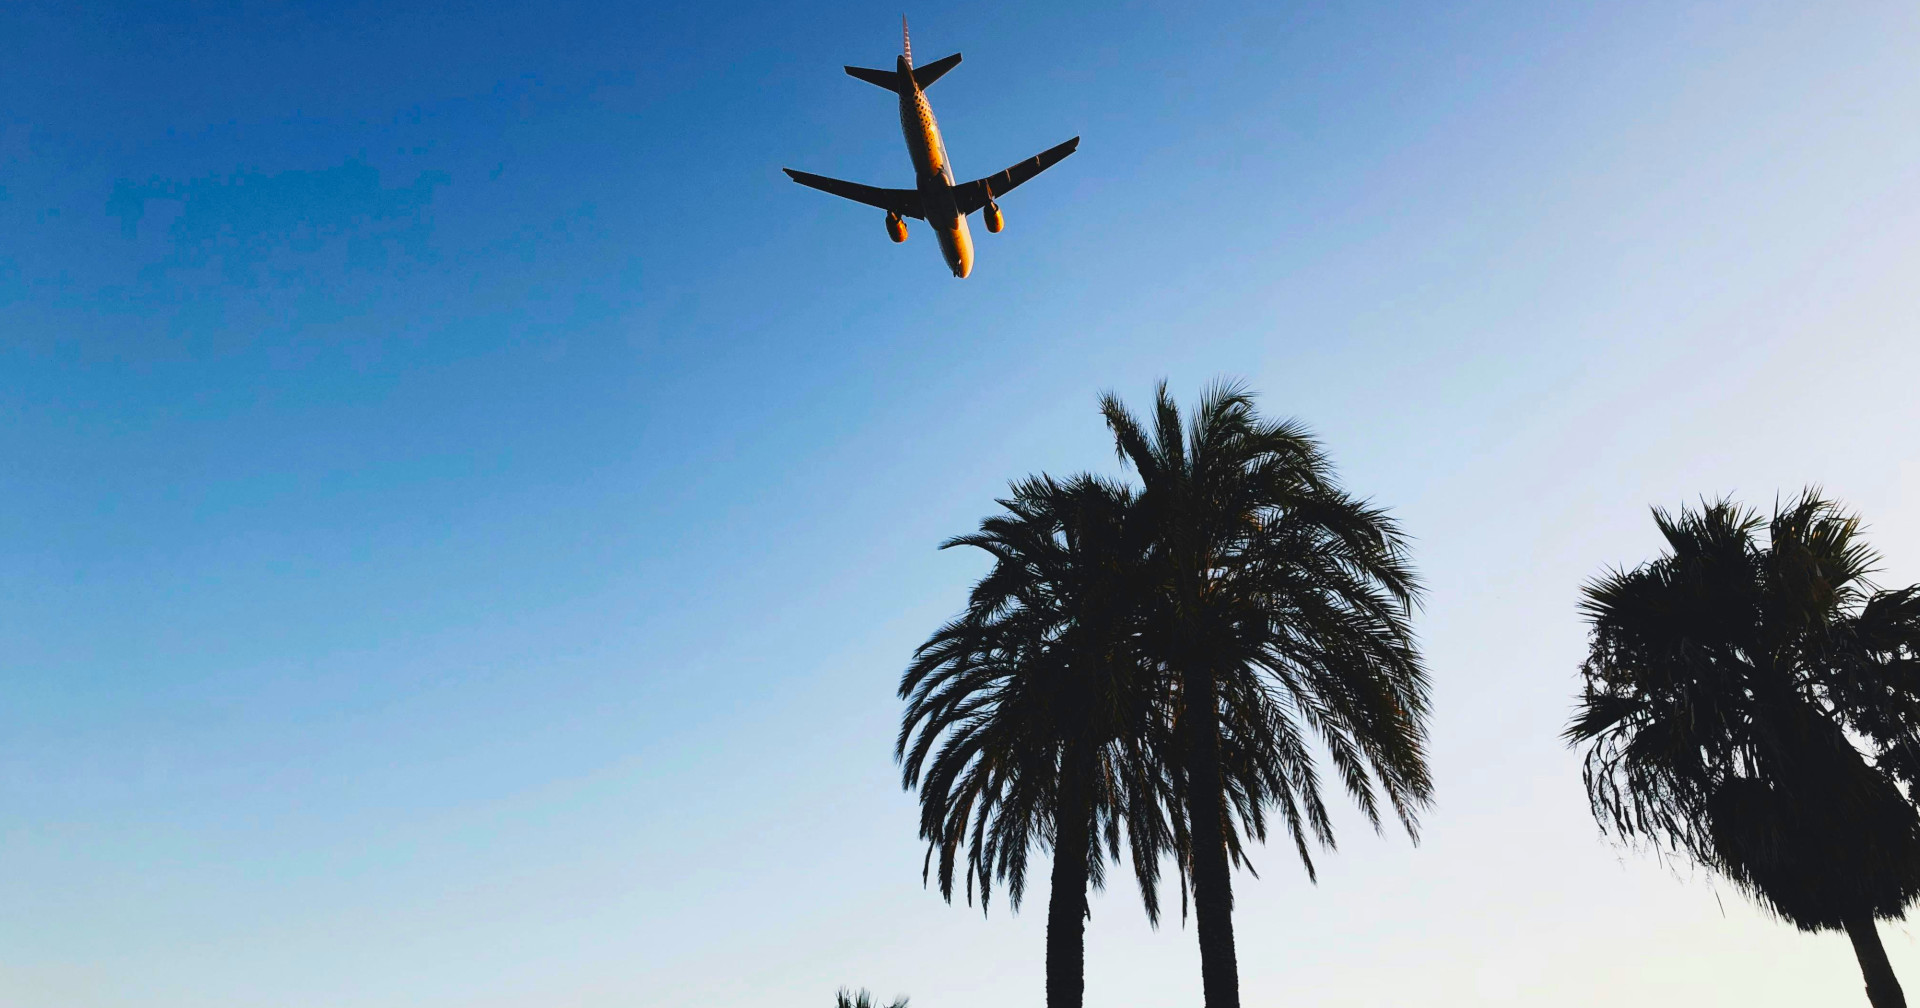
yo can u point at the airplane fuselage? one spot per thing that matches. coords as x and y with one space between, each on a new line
933 174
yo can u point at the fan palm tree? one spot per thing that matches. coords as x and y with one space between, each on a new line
1027 716
1719 685
1279 615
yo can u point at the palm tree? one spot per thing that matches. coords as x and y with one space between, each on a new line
1027 715
1719 687
1278 612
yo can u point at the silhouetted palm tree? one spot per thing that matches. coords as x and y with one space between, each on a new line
1279 613
1027 716
1719 683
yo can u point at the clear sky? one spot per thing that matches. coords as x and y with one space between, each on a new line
463 512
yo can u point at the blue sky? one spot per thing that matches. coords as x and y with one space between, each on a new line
464 512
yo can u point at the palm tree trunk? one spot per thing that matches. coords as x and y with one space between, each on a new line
1067 904
1883 988
1212 875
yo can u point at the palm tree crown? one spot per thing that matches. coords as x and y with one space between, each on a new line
1720 684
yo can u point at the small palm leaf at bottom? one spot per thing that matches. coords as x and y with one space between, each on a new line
862 998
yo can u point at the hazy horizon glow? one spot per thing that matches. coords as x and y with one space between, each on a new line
465 512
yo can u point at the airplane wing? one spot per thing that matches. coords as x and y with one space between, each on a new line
971 196
905 202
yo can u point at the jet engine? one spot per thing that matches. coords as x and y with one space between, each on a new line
995 222
896 228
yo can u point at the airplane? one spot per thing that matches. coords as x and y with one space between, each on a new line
934 198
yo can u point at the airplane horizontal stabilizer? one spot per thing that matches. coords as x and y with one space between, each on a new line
926 75
884 78
973 195
905 202
892 81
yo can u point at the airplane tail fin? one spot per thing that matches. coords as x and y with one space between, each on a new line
906 41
